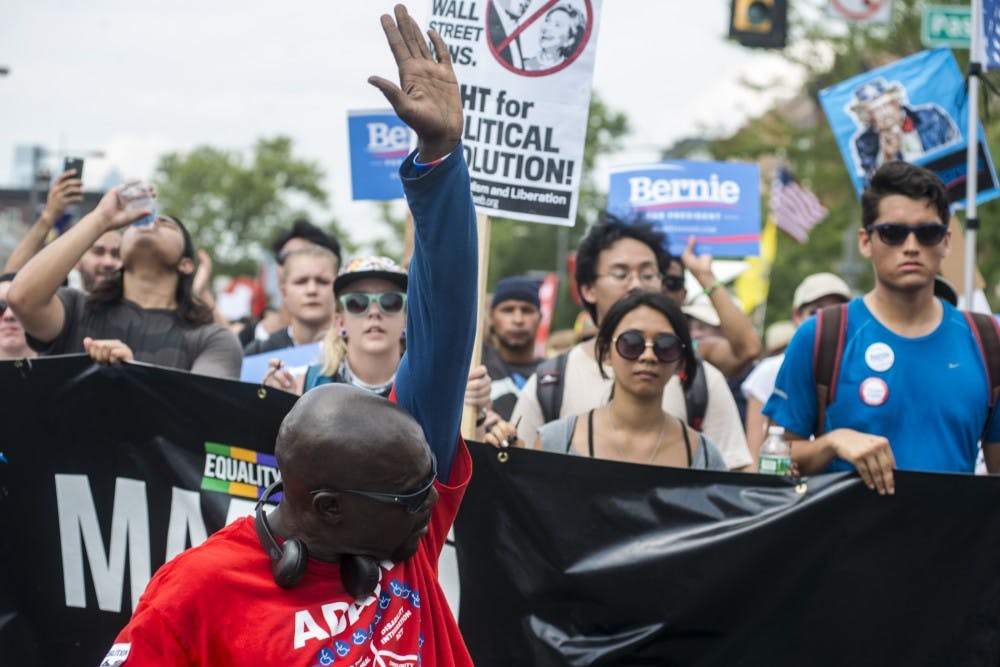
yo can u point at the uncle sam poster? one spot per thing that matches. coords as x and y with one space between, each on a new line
914 110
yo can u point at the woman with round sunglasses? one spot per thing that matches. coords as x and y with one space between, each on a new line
364 346
644 340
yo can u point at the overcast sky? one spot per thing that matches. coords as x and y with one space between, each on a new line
138 79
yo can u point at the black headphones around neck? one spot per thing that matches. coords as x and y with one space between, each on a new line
359 574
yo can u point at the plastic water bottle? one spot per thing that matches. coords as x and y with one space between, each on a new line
775 454
137 195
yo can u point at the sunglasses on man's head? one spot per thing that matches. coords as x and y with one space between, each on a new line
358 303
896 233
411 502
666 346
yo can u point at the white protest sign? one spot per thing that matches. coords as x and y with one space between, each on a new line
525 69
860 11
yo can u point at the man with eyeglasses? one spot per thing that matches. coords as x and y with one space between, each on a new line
344 571
616 258
912 391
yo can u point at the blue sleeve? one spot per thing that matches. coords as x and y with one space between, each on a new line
441 302
793 402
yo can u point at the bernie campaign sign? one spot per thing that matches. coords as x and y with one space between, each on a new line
915 110
379 142
716 202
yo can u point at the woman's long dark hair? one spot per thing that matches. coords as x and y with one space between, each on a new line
660 303
190 309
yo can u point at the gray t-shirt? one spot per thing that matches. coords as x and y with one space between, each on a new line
556 438
155 336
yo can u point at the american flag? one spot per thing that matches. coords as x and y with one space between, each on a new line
795 209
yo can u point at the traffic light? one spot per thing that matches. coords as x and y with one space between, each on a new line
759 23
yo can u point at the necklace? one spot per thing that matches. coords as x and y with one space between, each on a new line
614 440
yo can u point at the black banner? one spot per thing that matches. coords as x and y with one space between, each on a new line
107 470
569 561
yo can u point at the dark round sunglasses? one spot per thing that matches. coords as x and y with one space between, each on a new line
358 303
666 346
896 233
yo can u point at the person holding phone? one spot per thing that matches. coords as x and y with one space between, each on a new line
145 312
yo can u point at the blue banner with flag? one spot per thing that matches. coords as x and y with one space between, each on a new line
716 202
379 142
915 110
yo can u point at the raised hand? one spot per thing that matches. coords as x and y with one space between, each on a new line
67 189
111 211
427 97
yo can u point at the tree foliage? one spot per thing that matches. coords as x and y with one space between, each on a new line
234 202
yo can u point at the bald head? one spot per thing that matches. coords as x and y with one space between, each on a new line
338 435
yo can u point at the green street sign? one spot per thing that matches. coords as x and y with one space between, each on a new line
946 25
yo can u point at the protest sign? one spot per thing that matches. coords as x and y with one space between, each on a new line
716 202
294 359
525 69
914 109
860 11
379 142
988 45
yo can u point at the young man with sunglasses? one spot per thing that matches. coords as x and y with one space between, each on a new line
912 391
614 259
344 570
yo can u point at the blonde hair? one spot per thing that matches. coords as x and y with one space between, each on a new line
333 349
310 251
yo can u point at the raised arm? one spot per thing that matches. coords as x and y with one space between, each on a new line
67 189
740 343
441 303
32 295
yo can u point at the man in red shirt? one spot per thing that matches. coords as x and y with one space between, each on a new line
344 571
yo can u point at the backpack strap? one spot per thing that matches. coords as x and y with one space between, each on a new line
696 397
828 350
549 386
986 331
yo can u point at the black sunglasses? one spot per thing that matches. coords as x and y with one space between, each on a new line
411 502
896 233
673 283
666 346
3 307
358 303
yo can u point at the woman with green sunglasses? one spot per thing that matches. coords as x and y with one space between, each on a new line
364 346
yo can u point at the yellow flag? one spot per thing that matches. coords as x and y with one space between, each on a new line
752 285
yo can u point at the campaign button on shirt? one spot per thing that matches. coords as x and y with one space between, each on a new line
879 357
874 391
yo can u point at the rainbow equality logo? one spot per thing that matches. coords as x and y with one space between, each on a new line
237 471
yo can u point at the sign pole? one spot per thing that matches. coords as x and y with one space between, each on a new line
470 413
972 154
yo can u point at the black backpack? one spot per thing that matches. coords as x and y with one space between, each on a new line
549 389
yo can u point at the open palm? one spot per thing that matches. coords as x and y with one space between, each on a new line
427 97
